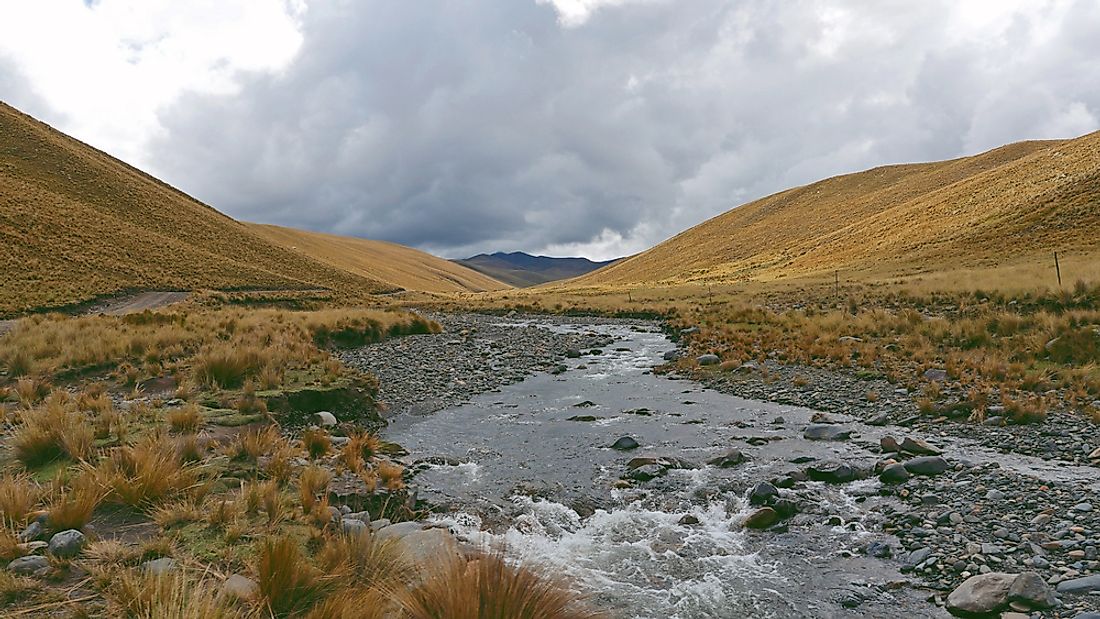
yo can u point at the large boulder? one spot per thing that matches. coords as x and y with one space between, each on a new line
625 443
67 544
917 447
927 465
1087 584
983 595
832 472
708 359
761 518
894 474
429 546
28 565
763 493
1030 590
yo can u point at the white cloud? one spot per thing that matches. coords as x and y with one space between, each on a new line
573 13
107 68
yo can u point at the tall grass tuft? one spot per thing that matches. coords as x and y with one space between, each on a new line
288 583
491 587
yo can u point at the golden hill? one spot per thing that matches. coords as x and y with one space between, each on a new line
77 224
1019 201
391 263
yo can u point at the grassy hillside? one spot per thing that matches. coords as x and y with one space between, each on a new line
76 223
391 263
1016 202
521 269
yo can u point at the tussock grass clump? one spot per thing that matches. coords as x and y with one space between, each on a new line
313 481
186 419
15 588
391 475
18 496
489 586
316 442
255 442
225 366
145 474
366 561
53 431
169 596
289 584
73 508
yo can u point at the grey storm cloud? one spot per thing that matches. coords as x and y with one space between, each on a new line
479 125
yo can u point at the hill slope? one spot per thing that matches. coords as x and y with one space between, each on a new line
522 269
391 263
76 224
1024 199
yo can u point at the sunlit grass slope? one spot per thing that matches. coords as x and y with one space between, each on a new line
396 265
1011 204
76 224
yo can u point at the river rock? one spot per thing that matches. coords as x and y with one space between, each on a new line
1087 584
826 432
324 419
729 459
832 472
647 472
67 543
935 374
926 465
918 447
762 518
28 565
889 445
156 567
762 493
894 474
353 526
625 443
708 359
429 546
688 519
672 355
1032 591
583 418
879 420
240 587
398 531
981 596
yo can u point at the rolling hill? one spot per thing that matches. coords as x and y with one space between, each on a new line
77 224
522 269
391 263
1018 201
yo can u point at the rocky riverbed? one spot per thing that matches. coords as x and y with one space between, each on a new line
476 354
842 532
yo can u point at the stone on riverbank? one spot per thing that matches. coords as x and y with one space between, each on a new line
761 518
927 465
625 443
981 596
826 432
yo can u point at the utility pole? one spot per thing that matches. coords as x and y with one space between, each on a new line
1058 269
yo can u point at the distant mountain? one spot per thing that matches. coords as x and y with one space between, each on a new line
521 269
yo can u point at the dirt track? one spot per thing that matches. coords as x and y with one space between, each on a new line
139 302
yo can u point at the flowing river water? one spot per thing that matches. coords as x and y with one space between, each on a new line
514 470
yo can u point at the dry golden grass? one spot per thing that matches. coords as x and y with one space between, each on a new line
145 474
217 347
288 582
397 265
143 595
19 494
100 227
313 481
53 431
316 442
491 587
185 419
73 508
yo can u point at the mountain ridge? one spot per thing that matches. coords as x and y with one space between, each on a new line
522 269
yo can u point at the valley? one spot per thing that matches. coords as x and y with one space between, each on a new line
871 396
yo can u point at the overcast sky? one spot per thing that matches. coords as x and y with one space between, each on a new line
566 127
